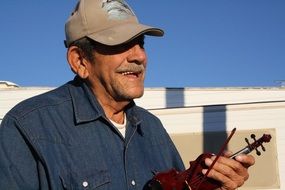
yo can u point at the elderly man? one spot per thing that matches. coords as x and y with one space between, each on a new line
88 133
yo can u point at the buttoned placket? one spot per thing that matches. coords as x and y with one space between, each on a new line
130 180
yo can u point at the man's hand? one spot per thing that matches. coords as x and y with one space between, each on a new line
232 173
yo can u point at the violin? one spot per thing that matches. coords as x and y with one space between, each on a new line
193 178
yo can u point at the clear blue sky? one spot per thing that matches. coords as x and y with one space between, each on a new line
207 43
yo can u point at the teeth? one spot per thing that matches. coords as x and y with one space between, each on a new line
127 73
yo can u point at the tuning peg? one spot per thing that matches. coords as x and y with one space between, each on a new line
257 151
253 137
262 147
246 140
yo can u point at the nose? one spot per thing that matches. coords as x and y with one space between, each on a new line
137 54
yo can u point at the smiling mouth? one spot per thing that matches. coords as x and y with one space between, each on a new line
130 73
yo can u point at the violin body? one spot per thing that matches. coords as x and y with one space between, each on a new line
193 178
190 179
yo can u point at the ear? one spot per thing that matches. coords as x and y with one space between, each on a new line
77 62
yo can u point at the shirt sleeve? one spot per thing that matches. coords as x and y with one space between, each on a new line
18 167
177 160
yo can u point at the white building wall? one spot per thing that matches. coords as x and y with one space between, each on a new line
200 110
247 118
9 97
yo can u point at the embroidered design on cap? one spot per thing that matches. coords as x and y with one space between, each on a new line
117 9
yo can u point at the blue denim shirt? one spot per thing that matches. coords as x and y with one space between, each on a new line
63 140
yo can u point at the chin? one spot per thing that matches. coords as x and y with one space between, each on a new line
137 94
133 93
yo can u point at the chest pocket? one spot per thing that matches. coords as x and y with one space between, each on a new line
90 179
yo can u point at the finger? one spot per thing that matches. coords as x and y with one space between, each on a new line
227 175
230 168
226 182
227 153
245 160
227 162
236 165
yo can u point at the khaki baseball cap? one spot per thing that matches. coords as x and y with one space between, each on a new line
110 22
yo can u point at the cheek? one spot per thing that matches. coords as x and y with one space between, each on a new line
103 65
145 62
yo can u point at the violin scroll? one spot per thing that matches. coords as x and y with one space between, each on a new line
253 146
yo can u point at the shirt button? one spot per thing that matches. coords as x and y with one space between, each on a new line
85 184
133 182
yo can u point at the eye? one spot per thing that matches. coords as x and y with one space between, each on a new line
141 43
137 41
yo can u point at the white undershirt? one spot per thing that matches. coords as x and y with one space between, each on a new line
121 127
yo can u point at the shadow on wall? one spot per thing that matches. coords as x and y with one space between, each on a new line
214 119
174 97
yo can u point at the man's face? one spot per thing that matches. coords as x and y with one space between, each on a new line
119 71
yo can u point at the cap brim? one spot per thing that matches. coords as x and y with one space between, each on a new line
124 33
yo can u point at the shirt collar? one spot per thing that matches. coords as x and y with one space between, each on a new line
87 108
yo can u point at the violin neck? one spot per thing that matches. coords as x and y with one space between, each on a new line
245 150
